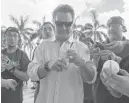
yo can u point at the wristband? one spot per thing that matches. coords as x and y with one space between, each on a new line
46 67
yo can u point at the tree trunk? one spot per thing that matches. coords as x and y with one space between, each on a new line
94 37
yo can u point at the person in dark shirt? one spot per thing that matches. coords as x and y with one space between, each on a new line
115 46
15 65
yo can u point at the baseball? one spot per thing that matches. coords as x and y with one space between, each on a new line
111 66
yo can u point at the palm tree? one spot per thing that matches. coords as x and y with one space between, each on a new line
77 28
74 23
94 29
29 47
21 26
38 34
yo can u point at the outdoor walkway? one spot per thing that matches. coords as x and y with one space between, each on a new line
28 93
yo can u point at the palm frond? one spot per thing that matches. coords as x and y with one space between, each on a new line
99 36
28 31
103 34
15 21
23 21
34 36
76 20
96 24
37 23
101 26
93 14
26 19
25 36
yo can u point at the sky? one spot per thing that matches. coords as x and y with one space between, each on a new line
36 9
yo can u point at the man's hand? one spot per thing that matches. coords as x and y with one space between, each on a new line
59 65
119 83
107 55
9 83
104 54
104 78
74 57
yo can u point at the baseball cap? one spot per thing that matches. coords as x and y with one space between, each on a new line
12 29
117 20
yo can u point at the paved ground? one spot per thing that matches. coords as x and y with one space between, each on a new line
28 93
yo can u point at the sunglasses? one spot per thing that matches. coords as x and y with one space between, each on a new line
66 24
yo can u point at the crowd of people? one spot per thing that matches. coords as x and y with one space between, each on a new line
67 70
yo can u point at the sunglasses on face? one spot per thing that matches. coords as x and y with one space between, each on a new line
66 24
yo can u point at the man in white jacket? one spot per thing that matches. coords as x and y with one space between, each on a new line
60 81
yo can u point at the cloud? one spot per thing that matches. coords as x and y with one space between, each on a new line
93 2
103 17
126 5
38 8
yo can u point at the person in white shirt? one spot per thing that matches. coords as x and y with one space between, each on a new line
61 71
48 34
